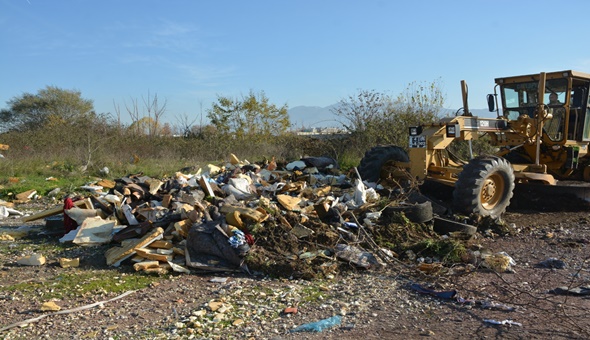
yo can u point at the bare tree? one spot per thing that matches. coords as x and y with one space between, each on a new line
155 111
133 112
185 125
146 121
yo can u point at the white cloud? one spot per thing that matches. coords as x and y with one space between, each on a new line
206 75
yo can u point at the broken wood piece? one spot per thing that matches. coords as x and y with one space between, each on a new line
50 306
178 251
116 255
100 204
233 159
136 259
178 268
152 255
67 263
6 204
201 208
322 208
159 271
133 231
154 184
145 265
182 227
27 195
284 221
185 209
161 244
106 183
149 213
289 202
193 215
204 183
164 251
136 189
252 214
166 200
87 203
322 191
293 187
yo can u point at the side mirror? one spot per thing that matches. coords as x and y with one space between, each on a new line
491 103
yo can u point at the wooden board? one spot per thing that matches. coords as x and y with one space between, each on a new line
53 211
117 254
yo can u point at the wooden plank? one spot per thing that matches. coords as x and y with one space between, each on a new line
145 265
117 254
204 183
52 211
145 253
162 244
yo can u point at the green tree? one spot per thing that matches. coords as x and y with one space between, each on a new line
252 116
420 103
50 107
362 115
374 118
359 112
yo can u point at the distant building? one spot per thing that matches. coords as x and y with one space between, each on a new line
328 132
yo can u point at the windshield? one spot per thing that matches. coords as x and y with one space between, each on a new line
522 99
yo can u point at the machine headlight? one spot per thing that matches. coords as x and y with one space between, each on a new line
415 130
453 130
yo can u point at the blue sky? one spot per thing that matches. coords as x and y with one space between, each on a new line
305 52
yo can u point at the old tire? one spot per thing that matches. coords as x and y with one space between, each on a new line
484 187
374 160
417 213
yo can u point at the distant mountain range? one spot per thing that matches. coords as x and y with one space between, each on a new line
317 117
313 116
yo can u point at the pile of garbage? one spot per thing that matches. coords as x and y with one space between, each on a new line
302 219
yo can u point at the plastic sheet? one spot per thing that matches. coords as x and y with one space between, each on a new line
319 326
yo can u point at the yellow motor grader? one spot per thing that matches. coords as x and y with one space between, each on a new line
541 135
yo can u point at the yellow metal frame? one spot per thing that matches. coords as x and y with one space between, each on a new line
432 161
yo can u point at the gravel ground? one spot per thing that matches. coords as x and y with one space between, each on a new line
371 304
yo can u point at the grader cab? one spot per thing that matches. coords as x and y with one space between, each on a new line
541 135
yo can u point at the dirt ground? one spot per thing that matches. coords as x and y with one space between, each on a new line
371 304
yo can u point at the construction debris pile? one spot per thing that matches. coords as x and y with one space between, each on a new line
303 219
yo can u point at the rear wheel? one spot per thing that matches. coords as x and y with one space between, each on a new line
374 163
484 187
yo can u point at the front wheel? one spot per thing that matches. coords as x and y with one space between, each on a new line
484 187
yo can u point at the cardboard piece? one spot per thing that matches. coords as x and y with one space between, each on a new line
94 231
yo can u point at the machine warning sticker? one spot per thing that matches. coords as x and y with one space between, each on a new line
417 141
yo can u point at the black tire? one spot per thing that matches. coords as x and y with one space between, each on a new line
376 158
484 187
417 213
